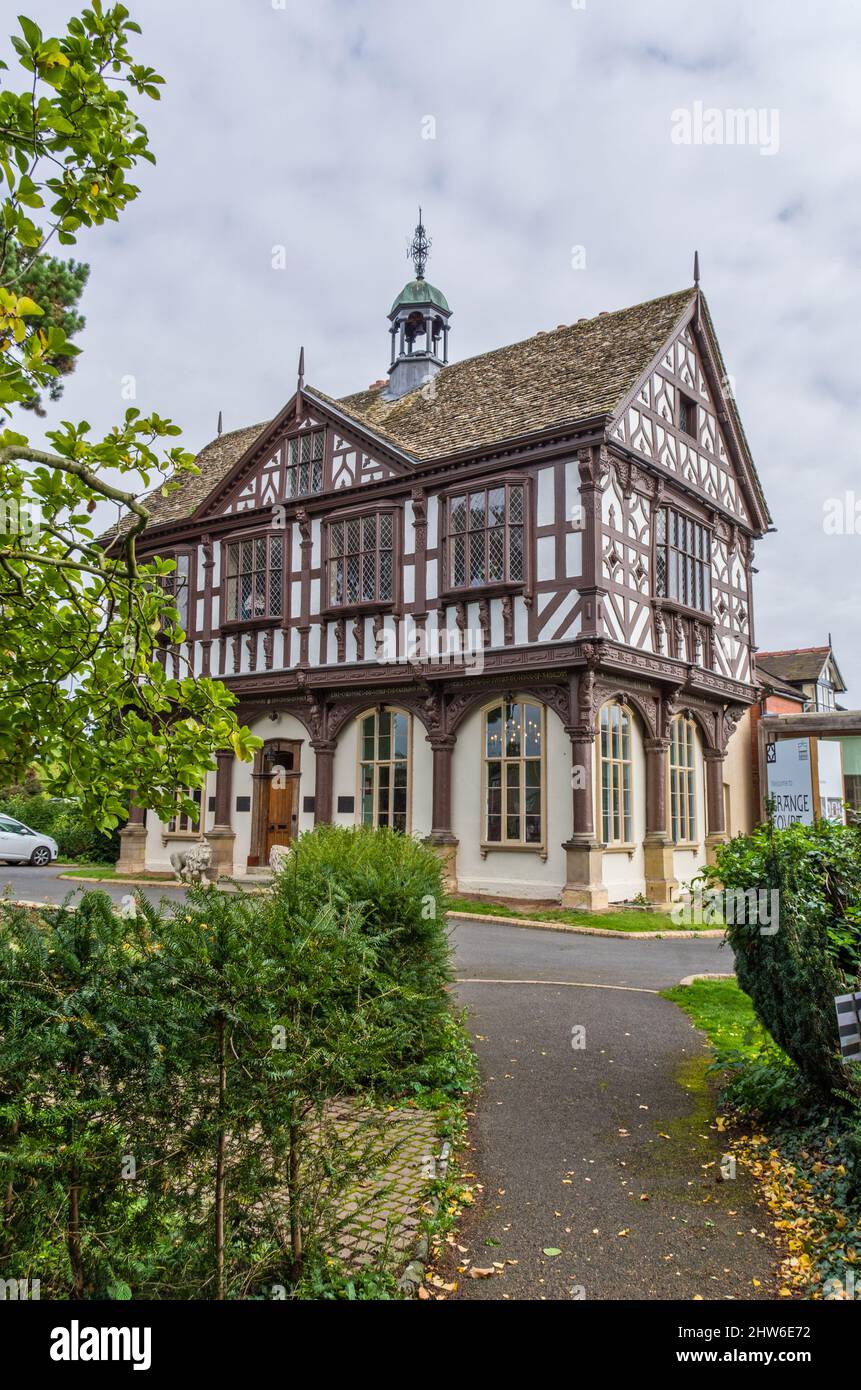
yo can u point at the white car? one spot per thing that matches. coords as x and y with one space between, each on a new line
21 845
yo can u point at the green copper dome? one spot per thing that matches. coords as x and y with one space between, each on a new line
420 292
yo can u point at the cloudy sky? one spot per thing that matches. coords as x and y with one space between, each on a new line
305 124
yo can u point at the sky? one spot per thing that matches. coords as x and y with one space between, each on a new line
569 156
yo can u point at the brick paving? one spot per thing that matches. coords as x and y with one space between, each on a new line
383 1211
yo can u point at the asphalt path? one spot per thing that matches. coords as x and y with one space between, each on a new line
594 1134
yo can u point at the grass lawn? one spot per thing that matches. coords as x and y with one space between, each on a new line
108 872
624 921
724 1012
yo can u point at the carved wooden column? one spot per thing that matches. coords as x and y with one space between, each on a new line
132 858
324 779
584 880
661 883
222 837
594 465
715 818
306 547
442 746
442 836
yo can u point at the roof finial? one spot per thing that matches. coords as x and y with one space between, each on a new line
220 423
301 382
697 268
419 248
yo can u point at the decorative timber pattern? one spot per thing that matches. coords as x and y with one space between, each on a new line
650 426
320 546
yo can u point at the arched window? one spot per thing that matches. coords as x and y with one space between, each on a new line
384 768
514 774
683 781
616 775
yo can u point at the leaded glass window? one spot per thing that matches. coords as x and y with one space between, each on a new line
361 560
683 560
176 585
616 775
254 580
384 769
683 784
514 773
485 537
305 463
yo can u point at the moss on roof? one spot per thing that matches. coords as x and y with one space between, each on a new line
215 461
795 664
552 380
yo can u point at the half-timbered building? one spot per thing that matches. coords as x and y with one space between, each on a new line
504 604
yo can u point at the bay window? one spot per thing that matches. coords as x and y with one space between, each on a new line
360 560
254 579
176 584
682 560
486 536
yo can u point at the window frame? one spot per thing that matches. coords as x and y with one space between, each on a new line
377 762
295 436
690 405
189 553
343 516
521 844
180 825
228 624
463 592
662 562
627 821
676 770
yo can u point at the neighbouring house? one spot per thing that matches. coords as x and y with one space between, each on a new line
807 680
502 603
811 671
774 696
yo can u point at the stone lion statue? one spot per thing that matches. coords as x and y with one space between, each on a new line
193 864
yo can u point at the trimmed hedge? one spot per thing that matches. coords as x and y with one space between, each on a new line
396 883
205 1041
793 975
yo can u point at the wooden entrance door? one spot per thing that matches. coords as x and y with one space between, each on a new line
282 812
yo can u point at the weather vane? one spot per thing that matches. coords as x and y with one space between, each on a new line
419 249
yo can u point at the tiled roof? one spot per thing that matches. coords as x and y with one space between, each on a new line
551 380
798 664
777 683
215 461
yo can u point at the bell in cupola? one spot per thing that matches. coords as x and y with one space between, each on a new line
419 329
